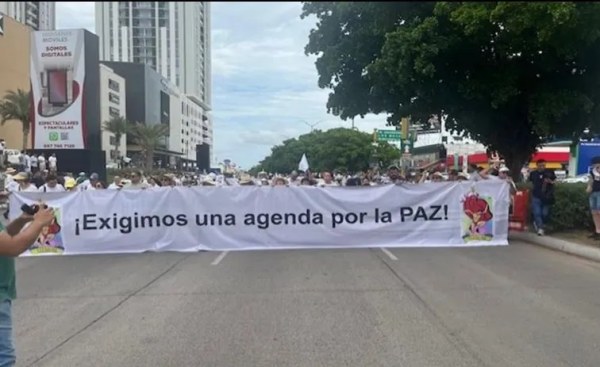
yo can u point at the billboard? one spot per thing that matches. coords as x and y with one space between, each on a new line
57 83
587 151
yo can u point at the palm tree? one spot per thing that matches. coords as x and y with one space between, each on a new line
149 138
15 106
118 126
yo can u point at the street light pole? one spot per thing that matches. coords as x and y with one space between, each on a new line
312 126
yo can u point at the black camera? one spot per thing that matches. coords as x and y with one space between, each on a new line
32 209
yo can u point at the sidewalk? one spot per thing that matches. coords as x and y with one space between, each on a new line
569 247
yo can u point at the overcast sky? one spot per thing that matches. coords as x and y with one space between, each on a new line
263 84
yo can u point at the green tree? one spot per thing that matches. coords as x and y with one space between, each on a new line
118 126
149 138
15 106
341 148
507 74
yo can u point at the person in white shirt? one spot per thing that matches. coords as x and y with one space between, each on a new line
328 180
294 180
52 163
27 163
116 184
9 182
51 185
89 184
476 173
25 185
136 182
42 162
503 175
21 159
33 162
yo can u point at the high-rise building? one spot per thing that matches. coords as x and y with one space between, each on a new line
174 39
39 15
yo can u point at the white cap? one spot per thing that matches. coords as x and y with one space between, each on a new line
504 169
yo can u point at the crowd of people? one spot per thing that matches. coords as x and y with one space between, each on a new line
52 181
30 177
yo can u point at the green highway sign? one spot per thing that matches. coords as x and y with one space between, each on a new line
389 135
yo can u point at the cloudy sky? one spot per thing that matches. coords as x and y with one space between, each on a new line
264 87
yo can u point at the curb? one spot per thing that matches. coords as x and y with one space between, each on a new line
571 248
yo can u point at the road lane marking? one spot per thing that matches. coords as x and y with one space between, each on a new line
389 254
219 258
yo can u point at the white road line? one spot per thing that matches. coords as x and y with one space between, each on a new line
389 254
219 258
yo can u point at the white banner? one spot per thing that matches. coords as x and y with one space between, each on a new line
250 218
57 84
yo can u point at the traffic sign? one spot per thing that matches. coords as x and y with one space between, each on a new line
389 135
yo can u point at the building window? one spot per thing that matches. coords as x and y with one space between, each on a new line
114 154
114 112
113 85
112 140
113 98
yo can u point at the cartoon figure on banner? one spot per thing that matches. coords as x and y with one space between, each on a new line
50 241
477 223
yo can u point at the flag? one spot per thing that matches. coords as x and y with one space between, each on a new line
303 165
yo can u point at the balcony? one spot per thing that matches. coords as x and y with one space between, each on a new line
142 5
137 43
144 24
142 34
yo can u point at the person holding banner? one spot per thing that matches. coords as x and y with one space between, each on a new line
14 240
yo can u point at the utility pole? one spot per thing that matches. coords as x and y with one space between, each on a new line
312 126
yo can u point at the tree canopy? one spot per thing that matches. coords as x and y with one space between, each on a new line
149 137
508 74
118 126
341 148
15 106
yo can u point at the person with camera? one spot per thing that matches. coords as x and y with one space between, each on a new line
14 240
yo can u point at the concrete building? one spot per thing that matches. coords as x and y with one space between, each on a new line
152 99
39 15
171 37
14 74
174 39
112 104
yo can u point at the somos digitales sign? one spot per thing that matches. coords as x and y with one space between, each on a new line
57 84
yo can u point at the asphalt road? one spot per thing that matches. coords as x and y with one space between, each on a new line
519 305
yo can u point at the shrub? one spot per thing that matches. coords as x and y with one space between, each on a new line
571 210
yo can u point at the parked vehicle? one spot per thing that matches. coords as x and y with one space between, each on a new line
578 179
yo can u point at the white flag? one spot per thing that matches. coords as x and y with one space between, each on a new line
303 165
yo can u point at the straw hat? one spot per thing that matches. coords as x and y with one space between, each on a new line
21 176
246 180
10 171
